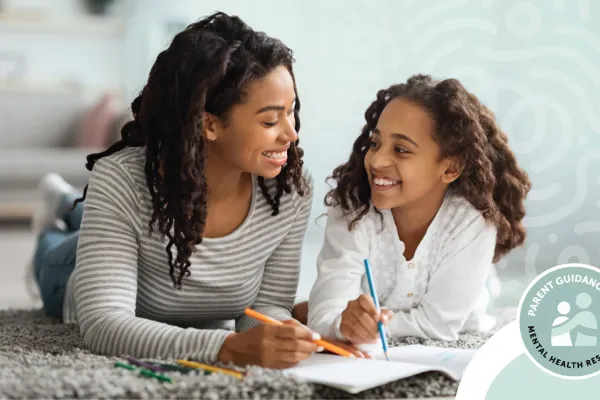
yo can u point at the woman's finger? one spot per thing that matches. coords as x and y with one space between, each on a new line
296 345
293 329
349 347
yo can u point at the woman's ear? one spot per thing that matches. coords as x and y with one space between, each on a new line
452 170
210 126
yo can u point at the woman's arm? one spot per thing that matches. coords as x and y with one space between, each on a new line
281 274
105 284
453 290
340 270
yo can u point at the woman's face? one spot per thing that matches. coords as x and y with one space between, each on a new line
403 162
258 132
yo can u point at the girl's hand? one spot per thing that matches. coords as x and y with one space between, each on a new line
270 346
360 319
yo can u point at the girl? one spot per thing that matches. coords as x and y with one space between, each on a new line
432 196
198 212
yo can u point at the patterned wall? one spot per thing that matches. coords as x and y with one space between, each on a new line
535 63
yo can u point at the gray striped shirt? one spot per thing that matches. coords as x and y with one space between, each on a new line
122 296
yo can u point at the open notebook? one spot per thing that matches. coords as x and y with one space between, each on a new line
356 375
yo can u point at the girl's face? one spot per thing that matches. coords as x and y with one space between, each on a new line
403 162
259 131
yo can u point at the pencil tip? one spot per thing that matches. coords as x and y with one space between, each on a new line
387 357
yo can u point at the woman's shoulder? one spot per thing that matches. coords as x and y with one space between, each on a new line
131 158
125 166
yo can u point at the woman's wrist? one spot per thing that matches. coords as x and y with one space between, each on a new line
225 354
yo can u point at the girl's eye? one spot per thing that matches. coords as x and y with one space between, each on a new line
270 124
401 150
290 112
372 144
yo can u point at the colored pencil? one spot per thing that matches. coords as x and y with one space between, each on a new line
326 345
192 364
146 365
144 372
180 368
380 326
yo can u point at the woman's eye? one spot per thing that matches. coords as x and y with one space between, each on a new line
401 150
270 124
372 144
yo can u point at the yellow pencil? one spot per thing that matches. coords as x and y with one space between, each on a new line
192 364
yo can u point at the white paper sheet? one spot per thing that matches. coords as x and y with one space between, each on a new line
356 375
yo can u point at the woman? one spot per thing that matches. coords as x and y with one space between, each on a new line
198 212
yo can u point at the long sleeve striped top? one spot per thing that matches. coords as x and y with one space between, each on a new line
122 297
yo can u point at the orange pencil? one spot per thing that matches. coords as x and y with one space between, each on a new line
326 345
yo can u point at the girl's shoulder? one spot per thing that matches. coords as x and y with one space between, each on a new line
370 224
460 222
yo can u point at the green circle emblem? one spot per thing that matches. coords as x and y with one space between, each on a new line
558 320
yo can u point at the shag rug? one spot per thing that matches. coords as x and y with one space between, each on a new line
43 358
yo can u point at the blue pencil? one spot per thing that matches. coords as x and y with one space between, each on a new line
384 342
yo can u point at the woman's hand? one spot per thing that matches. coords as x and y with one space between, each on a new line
270 346
349 347
360 319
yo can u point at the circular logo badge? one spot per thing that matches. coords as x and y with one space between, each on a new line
558 319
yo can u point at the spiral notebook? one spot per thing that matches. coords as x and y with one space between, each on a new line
356 375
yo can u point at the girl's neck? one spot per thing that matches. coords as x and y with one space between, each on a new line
413 220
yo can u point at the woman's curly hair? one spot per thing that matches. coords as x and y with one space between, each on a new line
206 68
467 130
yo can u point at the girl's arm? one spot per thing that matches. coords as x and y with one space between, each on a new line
105 287
454 289
340 270
282 270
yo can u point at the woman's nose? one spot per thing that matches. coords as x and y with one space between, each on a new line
289 134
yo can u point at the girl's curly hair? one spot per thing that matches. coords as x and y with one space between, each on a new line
206 68
491 180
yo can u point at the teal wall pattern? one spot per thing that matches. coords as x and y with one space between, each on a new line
536 64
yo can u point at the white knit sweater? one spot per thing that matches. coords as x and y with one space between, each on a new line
437 294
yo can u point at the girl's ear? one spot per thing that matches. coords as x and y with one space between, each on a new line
210 126
453 169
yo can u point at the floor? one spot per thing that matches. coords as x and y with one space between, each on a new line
16 245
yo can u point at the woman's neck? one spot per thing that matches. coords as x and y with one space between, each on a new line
229 198
223 181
